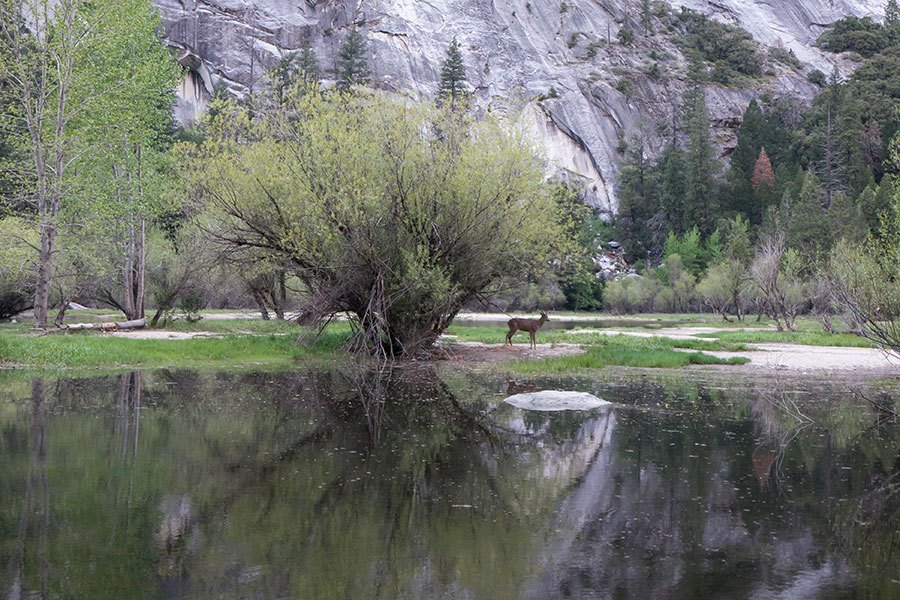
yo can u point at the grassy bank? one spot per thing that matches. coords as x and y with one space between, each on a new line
625 351
88 350
804 338
493 335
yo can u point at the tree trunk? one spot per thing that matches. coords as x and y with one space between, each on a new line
44 273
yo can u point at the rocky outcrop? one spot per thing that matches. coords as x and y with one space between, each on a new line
553 67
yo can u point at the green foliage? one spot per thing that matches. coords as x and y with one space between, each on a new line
817 77
694 255
626 36
18 240
293 69
864 36
624 351
701 167
352 62
581 286
729 50
867 280
785 56
92 351
453 74
397 213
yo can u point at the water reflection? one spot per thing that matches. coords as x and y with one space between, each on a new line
406 484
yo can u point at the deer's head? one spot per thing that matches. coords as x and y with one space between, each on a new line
544 316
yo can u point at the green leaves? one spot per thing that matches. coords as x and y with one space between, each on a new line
398 213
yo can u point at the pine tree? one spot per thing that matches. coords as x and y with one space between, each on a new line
453 75
807 224
636 204
352 64
762 171
647 17
701 203
307 65
892 13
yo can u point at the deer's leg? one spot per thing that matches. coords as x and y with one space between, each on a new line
509 337
533 343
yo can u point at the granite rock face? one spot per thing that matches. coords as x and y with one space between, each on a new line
551 66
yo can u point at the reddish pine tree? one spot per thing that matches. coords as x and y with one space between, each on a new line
762 171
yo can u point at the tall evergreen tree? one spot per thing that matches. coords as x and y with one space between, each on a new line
701 203
892 13
453 75
352 63
636 204
307 65
647 17
762 171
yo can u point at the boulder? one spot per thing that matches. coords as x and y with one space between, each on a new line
554 400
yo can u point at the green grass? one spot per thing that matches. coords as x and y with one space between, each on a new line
223 326
494 335
805 338
623 351
88 350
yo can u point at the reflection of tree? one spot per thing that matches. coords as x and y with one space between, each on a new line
869 531
36 507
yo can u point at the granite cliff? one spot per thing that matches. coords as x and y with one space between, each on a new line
553 66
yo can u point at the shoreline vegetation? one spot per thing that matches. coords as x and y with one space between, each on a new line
231 340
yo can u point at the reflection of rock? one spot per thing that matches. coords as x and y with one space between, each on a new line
552 400
763 458
176 518
178 534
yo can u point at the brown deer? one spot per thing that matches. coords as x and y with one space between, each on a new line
529 325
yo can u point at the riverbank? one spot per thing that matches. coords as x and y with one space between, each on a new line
238 340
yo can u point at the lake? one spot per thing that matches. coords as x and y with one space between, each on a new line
422 483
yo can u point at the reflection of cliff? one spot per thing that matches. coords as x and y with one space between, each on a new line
397 485
639 525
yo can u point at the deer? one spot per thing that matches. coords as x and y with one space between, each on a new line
529 325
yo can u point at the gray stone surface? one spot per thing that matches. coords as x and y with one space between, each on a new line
515 50
554 400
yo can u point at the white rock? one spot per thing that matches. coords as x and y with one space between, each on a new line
553 400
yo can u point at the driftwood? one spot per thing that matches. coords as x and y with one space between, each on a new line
134 324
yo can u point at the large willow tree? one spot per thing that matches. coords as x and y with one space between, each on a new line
397 213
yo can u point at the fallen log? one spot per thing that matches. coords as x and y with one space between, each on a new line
133 324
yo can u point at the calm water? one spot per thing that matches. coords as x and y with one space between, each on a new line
415 484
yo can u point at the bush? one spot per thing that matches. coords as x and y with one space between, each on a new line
17 271
398 213
861 35
816 77
730 50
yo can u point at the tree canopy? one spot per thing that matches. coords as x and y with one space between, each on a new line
396 213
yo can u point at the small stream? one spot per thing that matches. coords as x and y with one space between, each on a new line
422 483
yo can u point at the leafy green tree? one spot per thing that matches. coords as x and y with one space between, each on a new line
352 61
453 75
689 248
18 240
93 85
379 217
38 66
867 280
581 286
